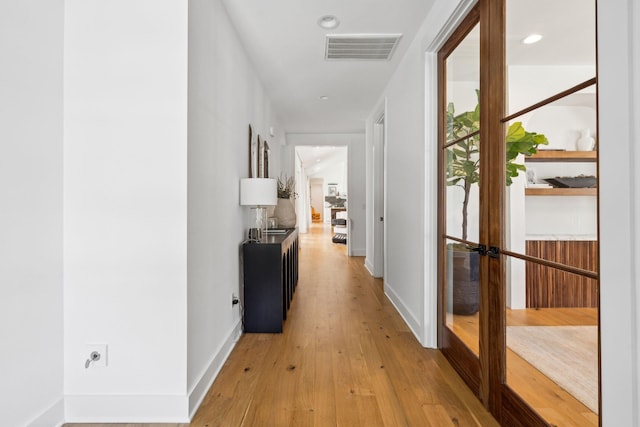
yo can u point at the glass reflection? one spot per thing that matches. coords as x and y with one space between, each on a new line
463 126
552 207
462 294
552 338
551 212
564 57
462 175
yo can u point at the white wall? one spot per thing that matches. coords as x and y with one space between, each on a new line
302 191
356 178
316 196
374 163
145 194
405 188
225 95
31 316
619 132
410 220
125 201
356 196
335 172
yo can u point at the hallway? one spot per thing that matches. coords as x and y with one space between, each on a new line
345 358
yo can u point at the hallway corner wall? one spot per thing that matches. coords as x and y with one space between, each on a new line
125 209
619 200
225 96
31 144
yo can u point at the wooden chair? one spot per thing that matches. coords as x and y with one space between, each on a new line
315 216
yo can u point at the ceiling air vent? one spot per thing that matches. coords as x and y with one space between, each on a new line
361 46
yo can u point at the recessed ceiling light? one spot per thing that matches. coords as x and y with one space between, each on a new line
532 38
324 97
328 22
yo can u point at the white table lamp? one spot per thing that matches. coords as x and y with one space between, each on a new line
258 193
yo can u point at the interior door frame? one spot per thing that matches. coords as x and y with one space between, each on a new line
466 363
492 219
379 177
486 374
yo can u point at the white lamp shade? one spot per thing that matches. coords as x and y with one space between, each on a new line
258 192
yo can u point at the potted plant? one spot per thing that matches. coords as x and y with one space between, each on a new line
285 211
463 171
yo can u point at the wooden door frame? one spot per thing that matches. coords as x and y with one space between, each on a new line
492 220
485 374
466 363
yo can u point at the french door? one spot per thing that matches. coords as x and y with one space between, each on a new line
518 265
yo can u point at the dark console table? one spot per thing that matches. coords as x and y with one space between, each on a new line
270 269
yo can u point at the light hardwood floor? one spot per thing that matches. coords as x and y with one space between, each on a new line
553 403
345 358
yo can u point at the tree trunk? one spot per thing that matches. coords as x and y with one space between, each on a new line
465 204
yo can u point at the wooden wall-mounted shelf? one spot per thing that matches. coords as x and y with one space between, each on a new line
563 156
561 191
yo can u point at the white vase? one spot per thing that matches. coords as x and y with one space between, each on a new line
586 141
285 213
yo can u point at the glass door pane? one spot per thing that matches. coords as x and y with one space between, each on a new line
551 231
563 57
461 175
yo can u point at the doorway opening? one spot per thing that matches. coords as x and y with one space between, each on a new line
323 200
378 185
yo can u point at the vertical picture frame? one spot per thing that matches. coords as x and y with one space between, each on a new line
265 160
251 155
260 157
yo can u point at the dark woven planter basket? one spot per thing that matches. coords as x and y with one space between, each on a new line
466 284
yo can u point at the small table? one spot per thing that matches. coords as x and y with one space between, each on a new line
334 211
270 274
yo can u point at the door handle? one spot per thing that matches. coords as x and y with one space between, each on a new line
481 249
493 251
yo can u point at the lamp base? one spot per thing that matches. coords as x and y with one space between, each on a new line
259 223
255 234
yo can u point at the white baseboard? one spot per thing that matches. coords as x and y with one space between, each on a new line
54 416
409 318
358 252
368 266
202 386
126 409
146 408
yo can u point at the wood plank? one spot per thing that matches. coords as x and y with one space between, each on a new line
549 400
562 156
549 287
561 191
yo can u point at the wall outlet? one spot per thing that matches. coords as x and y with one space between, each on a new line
90 358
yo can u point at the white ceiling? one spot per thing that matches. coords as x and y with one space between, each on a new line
316 159
287 47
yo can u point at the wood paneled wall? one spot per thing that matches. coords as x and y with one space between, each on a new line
549 287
